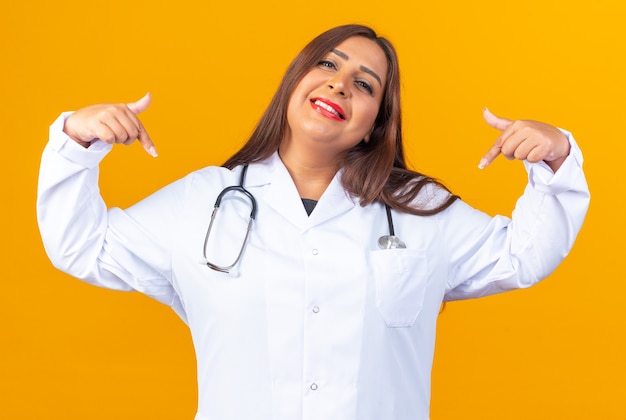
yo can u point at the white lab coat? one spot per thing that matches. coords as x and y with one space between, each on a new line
319 323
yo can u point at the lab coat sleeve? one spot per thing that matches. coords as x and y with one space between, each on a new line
110 248
494 254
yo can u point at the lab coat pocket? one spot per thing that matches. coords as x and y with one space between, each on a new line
401 278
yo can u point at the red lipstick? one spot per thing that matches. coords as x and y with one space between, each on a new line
328 109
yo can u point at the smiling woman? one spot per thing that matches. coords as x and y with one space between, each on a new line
371 79
332 109
313 319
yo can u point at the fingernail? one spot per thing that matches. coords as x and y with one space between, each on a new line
483 163
153 152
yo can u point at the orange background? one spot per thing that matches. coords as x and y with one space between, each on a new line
555 351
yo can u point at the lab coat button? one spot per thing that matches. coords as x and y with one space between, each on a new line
314 386
316 309
315 251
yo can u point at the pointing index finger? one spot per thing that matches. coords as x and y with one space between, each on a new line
146 142
499 124
143 137
490 156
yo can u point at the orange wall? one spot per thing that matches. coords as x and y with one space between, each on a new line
556 351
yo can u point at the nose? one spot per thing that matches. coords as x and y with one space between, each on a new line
338 86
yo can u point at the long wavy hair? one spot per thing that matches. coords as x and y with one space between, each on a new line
373 171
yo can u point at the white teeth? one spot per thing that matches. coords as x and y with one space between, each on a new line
327 108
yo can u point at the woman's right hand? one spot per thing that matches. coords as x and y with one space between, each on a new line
111 123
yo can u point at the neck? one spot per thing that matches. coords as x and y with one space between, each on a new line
311 170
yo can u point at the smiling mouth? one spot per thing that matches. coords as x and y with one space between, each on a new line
323 105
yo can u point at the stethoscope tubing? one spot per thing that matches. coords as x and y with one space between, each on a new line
239 188
390 241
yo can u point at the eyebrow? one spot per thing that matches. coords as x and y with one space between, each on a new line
363 68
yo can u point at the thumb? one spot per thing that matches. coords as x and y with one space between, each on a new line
496 122
141 105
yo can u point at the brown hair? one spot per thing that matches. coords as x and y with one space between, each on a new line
373 171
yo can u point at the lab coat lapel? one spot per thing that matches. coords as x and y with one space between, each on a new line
334 202
282 195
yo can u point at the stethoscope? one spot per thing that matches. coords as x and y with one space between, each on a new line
390 241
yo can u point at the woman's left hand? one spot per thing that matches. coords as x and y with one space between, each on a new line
532 141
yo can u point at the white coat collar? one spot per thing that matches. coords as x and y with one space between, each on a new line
282 196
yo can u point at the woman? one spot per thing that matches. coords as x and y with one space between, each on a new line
306 316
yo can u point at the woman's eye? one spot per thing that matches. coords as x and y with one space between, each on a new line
327 63
366 86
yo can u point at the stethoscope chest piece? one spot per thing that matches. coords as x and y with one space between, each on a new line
390 242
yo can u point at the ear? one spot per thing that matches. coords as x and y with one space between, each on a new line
368 136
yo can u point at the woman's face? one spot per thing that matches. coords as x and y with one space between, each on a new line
336 102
